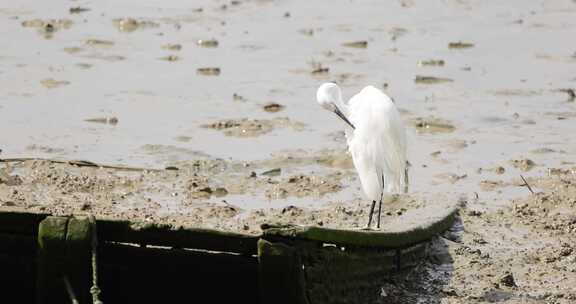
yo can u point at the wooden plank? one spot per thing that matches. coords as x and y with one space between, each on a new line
17 278
26 223
166 235
20 221
17 244
78 267
133 274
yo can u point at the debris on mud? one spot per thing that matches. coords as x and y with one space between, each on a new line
109 58
172 47
450 177
207 43
128 25
396 32
507 279
301 186
460 45
51 83
306 32
103 120
490 185
432 125
272 172
78 10
523 164
318 69
431 62
99 43
73 50
273 107
9 180
170 58
431 79
48 27
356 44
208 71
499 170
571 93
516 92
252 127
455 145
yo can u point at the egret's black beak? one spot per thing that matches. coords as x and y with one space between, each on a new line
341 115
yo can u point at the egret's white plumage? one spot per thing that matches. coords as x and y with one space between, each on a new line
378 144
376 138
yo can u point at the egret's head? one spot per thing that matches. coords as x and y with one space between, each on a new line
328 95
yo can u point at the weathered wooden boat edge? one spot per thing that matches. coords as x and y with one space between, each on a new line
292 260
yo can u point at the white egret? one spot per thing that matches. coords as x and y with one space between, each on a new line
376 139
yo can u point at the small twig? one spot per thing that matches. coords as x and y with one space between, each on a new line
526 184
80 163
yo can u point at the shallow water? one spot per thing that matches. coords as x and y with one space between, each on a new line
502 100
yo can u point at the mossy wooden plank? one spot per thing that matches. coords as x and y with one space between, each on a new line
52 235
393 235
165 235
78 268
281 275
51 257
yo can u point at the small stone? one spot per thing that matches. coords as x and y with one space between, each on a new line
272 172
208 71
170 58
356 44
210 43
460 45
206 189
566 251
474 213
507 280
273 107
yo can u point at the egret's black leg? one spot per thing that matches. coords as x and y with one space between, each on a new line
370 216
406 179
379 214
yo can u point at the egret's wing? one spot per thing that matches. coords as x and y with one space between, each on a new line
392 150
